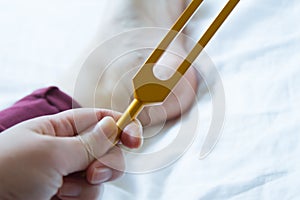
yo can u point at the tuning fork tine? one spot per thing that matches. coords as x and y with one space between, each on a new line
175 29
147 88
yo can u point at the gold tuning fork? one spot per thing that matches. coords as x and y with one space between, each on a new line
147 88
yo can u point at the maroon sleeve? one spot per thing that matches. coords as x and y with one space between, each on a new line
41 102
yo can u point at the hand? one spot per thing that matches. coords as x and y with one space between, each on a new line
39 158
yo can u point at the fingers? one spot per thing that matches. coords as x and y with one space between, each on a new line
71 122
97 131
76 153
107 168
75 187
131 136
100 139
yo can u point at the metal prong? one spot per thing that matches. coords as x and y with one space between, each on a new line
149 89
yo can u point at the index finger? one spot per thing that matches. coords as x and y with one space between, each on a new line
131 136
73 122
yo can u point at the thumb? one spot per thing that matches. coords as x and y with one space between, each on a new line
76 153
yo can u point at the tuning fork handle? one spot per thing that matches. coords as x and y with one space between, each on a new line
130 114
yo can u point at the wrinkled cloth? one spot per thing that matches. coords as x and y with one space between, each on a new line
256 52
41 102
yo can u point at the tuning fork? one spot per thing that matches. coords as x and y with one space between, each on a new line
148 89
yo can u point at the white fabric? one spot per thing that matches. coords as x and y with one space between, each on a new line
256 53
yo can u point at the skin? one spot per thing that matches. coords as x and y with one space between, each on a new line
44 158
120 16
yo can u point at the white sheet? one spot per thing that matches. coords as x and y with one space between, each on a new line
256 53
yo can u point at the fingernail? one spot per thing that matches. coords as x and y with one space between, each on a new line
101 175
108 126
133 140
70 190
